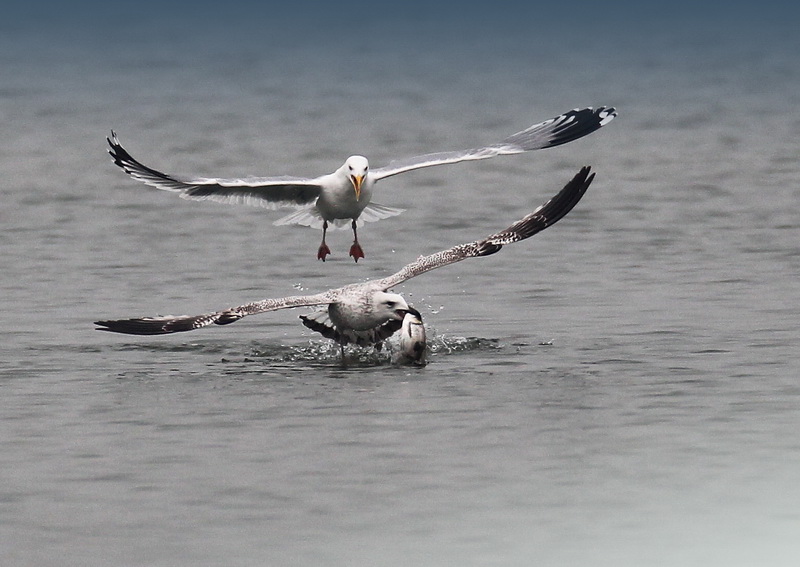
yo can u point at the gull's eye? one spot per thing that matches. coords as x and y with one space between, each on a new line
390 304
351 167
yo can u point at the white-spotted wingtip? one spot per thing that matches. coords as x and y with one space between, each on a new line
607 115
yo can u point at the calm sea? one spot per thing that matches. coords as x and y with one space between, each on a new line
622 389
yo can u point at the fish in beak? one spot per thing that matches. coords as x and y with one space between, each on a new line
413 342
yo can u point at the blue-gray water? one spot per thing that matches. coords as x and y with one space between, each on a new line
622 389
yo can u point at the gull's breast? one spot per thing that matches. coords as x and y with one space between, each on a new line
338 200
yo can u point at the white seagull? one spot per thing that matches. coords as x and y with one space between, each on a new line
346 194
368 313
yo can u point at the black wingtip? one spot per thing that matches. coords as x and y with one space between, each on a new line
113 142
545 216
133 327
569 196
581 122
562 129
559 206
131 165
117 152
607 114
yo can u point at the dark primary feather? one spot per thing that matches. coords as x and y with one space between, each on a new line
169 324
166 325
140 171
547 215
569 126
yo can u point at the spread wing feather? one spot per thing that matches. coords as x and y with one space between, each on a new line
171 324
554 132
268 192
546 215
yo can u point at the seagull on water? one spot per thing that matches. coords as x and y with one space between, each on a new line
367 313
346 194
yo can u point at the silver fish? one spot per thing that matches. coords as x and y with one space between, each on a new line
413 345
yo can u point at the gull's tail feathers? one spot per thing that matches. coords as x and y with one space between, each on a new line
304 217
311 217
375 212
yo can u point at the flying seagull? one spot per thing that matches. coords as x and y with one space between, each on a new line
368 313
346 194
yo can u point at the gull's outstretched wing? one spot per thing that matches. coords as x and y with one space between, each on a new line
170 324
546 215
268 192
554 132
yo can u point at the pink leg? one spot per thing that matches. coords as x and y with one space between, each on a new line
323 248
355 250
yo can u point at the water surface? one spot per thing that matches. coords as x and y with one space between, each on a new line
620 390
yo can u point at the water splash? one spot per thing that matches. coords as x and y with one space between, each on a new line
317 352
321 352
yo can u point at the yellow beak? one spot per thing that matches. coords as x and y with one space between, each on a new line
357 181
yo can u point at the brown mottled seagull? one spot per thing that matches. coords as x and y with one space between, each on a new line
345 195
368 313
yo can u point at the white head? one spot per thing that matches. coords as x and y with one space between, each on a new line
356 169
389 306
